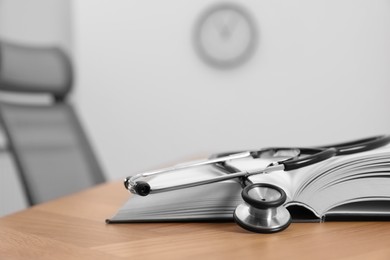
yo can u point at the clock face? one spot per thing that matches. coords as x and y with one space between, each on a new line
225 36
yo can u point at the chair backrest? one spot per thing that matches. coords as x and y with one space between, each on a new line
35 70
49 146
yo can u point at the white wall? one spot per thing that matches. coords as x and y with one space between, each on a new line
38 22
320 75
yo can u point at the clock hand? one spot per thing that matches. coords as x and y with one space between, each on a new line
225 25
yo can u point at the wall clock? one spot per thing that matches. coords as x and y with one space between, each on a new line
225 36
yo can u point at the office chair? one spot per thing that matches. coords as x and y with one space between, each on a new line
50 149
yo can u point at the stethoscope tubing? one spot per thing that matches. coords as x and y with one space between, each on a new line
360 145
317 155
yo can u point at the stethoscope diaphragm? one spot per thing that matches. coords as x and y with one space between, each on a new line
263 210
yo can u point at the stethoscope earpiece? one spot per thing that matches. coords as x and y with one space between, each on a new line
263 210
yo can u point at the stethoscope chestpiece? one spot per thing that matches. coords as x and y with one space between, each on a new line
263 210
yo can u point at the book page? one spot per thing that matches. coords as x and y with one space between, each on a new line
206 202
364 209
344 179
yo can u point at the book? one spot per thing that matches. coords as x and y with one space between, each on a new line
347 187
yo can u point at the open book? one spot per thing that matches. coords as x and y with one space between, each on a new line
346 187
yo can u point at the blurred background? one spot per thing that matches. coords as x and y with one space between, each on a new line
318 73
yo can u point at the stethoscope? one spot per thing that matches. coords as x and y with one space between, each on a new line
262 210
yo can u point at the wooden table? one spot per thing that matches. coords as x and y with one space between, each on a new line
74 227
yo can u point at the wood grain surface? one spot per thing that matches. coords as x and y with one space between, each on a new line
74 227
